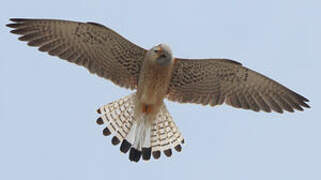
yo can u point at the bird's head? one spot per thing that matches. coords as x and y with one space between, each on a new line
162 54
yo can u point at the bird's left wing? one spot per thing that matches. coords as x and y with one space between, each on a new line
96 47
215 81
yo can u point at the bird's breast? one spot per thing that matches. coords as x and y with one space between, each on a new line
153 83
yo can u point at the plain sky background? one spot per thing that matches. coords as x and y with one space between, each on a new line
48 106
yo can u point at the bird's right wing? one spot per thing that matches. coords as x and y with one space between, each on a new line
96 47
215 81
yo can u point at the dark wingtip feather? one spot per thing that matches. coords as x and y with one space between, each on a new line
12 25
19 19
302 97
16 31
98 111
304 104
297 107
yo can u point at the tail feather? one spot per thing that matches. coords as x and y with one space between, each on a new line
165 134
139 134
118 116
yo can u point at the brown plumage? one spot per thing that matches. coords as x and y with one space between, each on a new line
98 48
215 81
141 121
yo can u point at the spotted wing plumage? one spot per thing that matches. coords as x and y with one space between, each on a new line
96 47
215 81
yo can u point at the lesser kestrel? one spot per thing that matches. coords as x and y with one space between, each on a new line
140 121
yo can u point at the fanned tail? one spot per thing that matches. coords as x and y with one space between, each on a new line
137 132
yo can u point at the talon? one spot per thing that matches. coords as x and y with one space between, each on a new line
147 109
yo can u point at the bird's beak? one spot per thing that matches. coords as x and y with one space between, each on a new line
160 51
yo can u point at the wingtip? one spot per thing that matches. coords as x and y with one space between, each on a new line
307 106
15 19
18 19
10 25
15 22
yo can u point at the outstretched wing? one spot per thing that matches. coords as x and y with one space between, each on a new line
96 47
215 81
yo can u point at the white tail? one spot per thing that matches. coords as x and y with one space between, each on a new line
138 133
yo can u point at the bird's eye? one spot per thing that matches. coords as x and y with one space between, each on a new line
156 51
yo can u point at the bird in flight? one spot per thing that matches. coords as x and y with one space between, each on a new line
140 122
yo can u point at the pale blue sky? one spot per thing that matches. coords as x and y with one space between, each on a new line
47 107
